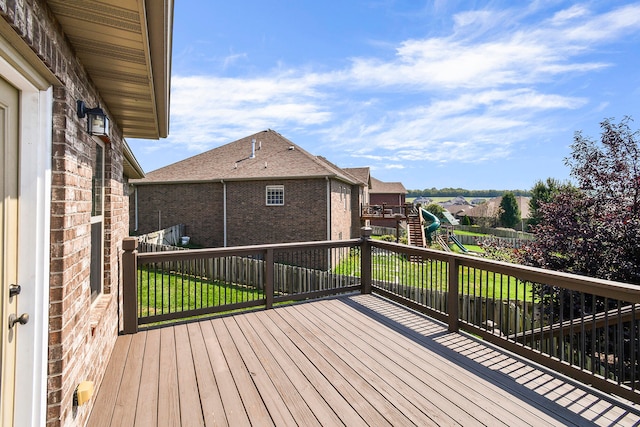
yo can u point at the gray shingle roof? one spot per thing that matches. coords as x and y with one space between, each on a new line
362 174
275 158
380 187
491 207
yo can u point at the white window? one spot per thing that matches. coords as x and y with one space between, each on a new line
275 195
97 222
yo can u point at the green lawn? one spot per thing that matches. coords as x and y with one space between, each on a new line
161 293
472 248
469 233
395 268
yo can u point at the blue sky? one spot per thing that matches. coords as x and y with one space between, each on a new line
471 94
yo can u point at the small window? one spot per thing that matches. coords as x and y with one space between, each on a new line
275 195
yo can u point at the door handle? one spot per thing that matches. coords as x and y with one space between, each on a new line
13 319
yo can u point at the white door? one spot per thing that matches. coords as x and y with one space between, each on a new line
8 247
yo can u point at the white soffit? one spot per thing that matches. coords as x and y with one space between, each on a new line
125 46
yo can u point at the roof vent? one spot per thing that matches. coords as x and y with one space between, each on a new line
291 148
253 149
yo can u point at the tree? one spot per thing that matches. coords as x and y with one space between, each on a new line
542 192
509 210
435 209
594 228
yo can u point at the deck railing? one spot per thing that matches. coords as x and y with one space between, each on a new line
585 328
171 285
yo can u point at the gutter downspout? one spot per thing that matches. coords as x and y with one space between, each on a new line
224 212
135 197
328 208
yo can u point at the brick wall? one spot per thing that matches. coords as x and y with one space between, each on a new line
358 199
249 220
302 218
81 333
341 210
198 206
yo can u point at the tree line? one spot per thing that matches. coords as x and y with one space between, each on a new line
455 192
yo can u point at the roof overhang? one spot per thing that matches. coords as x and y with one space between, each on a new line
125 46
132 168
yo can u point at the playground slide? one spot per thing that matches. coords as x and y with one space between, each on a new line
455 240
435 222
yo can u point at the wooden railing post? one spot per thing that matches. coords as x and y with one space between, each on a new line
130 285
452 294
365 259
268 280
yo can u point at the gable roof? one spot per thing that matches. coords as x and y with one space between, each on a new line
491 207
363 174
380 187
275 157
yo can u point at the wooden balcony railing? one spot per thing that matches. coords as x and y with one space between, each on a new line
386 211
586 328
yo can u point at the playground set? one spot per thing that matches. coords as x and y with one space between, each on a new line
423 227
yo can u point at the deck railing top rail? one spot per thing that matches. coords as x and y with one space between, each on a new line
243 250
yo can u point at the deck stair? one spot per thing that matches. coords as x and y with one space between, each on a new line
415 232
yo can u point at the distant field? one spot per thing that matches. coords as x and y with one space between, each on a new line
443 199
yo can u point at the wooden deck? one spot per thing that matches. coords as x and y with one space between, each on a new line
357 360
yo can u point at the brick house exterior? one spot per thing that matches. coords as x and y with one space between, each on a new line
221 195
360 196
389 193
64 248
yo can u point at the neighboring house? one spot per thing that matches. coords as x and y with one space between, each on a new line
363 176
260 189
490 210
63 206
389 193
459 211
423 201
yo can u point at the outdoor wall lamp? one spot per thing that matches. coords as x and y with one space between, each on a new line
97 121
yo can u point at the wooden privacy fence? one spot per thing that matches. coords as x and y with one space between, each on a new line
507 241
169 236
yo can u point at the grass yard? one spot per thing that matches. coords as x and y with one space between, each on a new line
469 233
161 293
471 248
395 268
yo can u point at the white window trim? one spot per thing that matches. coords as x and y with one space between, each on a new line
274 188
100 218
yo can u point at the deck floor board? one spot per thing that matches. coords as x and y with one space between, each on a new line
351 360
